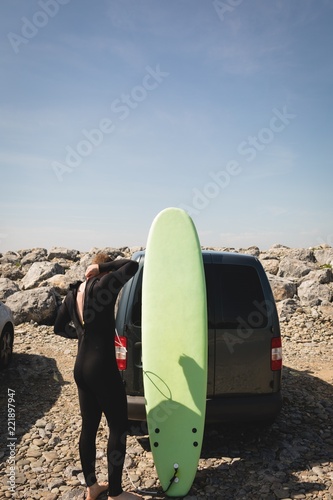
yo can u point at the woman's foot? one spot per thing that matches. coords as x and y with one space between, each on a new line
95 490
126 496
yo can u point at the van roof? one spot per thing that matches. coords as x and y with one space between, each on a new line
217 257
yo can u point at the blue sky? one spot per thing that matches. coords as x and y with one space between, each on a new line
114 110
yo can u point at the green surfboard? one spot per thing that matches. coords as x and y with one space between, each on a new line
174 348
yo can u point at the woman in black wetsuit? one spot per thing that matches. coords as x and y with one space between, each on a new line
90 306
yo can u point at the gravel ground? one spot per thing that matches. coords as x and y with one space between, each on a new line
293 458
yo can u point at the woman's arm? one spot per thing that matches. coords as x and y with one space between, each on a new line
106 267
114 265
123 270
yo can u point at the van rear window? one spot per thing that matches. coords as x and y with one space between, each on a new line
235 297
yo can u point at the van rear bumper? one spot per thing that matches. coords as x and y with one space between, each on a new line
244 409
231 409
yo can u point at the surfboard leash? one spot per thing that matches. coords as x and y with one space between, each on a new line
139 490
174 479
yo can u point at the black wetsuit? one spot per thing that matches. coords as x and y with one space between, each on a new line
96 374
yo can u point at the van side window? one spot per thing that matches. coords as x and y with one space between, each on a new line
238 299
211 293
137 302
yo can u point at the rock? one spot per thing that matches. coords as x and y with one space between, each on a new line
314 293
112 252
35 255
60 283
290 267
304 254
39 305
324 256
322 276
63 253
77 270
326 311
271 266
34 452
253 250
131 250
10 258
275 252
286 308
11 271
7 288
50 455
38 272
283 288
73 495
41 423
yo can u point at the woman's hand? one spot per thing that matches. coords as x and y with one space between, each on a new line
91 271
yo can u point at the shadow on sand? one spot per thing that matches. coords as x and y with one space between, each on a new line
274 461
277 458
34 382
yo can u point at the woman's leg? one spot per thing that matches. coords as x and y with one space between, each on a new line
91 413
114 405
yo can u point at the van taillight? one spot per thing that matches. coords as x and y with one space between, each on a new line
121 351
276 354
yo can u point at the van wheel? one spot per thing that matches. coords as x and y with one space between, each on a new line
6 347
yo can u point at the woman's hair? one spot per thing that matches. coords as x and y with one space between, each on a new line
100 258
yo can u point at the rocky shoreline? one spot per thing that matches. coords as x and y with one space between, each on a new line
34 281
291 459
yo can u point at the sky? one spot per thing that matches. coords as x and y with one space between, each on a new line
114 110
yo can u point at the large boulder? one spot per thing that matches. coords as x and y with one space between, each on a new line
294 268
271 266
322 276
282 288
38 272
286 308
313 293
10 258
11 271
280 252
253 250
34 255
63 253
7 288
324 256
60 282
305 254
38 305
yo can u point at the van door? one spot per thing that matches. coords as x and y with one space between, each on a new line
128 323
242 329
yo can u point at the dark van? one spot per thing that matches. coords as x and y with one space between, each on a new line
244 342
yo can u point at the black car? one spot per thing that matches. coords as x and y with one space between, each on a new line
244 342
